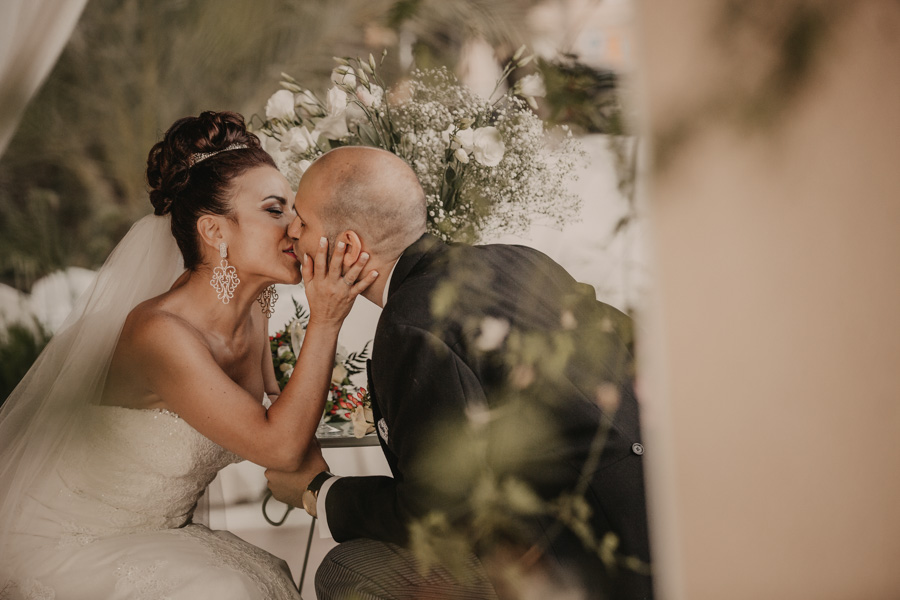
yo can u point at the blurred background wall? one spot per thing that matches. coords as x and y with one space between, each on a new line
772 398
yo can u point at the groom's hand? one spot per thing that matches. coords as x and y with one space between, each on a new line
288 486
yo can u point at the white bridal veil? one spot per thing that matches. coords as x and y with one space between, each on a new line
40 418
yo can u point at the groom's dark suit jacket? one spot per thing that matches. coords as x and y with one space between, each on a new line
471 328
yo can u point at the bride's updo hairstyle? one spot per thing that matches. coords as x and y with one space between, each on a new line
187 185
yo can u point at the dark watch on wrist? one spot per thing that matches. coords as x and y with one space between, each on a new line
311 495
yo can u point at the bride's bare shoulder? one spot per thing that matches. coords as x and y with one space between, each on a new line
157 321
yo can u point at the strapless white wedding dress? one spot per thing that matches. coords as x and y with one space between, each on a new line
113 521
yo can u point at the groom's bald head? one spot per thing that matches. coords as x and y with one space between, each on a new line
372 192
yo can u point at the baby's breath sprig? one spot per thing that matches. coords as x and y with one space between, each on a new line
485 165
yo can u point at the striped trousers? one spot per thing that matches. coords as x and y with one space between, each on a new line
365 569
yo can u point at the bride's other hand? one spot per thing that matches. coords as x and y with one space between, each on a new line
329 293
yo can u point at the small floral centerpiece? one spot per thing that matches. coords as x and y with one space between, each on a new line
346 401
485 164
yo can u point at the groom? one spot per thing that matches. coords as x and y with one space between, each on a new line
503 398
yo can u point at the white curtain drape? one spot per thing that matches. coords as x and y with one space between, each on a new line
32 35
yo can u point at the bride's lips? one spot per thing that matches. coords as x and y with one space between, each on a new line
290 252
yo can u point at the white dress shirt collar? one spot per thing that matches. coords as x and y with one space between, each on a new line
387 285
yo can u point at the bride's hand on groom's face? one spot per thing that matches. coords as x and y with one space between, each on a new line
288 486
330 291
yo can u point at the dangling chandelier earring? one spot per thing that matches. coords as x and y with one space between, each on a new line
224 278
267 299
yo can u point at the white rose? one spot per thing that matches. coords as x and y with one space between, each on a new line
488 147
283 367
284 352
461 155
280 105
288 372
532 86
296 329
370 98
338 374
361 425
344 74
298 139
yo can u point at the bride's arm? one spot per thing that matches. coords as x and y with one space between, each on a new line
182 371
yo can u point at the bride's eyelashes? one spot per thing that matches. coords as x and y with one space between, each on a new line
276 208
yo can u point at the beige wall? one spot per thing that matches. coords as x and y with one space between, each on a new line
772 349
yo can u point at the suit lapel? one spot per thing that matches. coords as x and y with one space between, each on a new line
411 257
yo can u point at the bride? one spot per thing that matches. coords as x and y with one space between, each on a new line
160 378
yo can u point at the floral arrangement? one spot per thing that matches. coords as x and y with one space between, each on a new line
345 402
485 164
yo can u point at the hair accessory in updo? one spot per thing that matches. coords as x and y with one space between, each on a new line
201 156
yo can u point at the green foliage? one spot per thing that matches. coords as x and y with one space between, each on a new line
19 348
582 96
343 394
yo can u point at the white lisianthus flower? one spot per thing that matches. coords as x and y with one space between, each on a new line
461 155
466 139
344 74
355 114
302 166
334 126
488 147
338 374
370 98
298 139
283 367
284 352
288 372
280 105
532 86
493 332
307 101
273 148
336 101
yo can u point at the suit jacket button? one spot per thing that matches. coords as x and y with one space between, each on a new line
637 448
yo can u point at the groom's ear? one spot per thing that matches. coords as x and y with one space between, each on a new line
354 246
